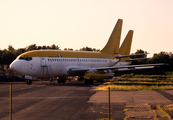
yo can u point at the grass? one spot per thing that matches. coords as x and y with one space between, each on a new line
161 108
137 84
132 87
166 114
168 75
155 115
168 107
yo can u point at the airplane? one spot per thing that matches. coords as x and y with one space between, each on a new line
86 64
125 51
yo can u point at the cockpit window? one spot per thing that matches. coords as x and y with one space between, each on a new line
25 58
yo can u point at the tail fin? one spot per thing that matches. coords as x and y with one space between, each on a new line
126 45
112 46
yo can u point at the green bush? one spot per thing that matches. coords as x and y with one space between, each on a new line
169 73
141 76
153 76
126 76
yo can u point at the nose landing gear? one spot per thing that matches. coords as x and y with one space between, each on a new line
28 82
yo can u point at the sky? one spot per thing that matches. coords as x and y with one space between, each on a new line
80 23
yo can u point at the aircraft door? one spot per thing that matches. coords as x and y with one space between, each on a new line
42 59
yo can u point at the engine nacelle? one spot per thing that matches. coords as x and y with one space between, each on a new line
98 75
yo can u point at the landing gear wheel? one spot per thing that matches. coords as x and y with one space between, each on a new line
28 82
61 80
88 82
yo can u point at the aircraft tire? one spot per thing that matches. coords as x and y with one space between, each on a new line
59 81
28 82
63 80
88 82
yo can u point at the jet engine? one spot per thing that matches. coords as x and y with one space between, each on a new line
98 75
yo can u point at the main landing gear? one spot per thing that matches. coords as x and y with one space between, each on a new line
88 82
61 80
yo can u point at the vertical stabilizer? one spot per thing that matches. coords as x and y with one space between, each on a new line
126 45
112 46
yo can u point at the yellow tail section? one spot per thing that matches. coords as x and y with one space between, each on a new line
126 45
112 46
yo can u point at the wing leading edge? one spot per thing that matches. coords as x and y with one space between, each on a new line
118 68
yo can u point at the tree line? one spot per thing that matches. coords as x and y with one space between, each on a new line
162 57
10 54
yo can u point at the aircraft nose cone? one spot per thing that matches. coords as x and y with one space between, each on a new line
15 66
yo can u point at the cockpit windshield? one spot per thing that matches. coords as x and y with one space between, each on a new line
25 58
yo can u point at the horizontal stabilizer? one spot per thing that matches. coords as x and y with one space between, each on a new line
132 55
128 60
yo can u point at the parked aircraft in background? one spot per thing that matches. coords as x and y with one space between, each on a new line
125 49
86 64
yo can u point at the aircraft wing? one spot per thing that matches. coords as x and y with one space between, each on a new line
136 68
117 68
130 66
128 60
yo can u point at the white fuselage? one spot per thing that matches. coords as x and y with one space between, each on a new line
55 67
122 64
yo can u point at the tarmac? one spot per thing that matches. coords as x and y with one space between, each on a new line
76 101
140 105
